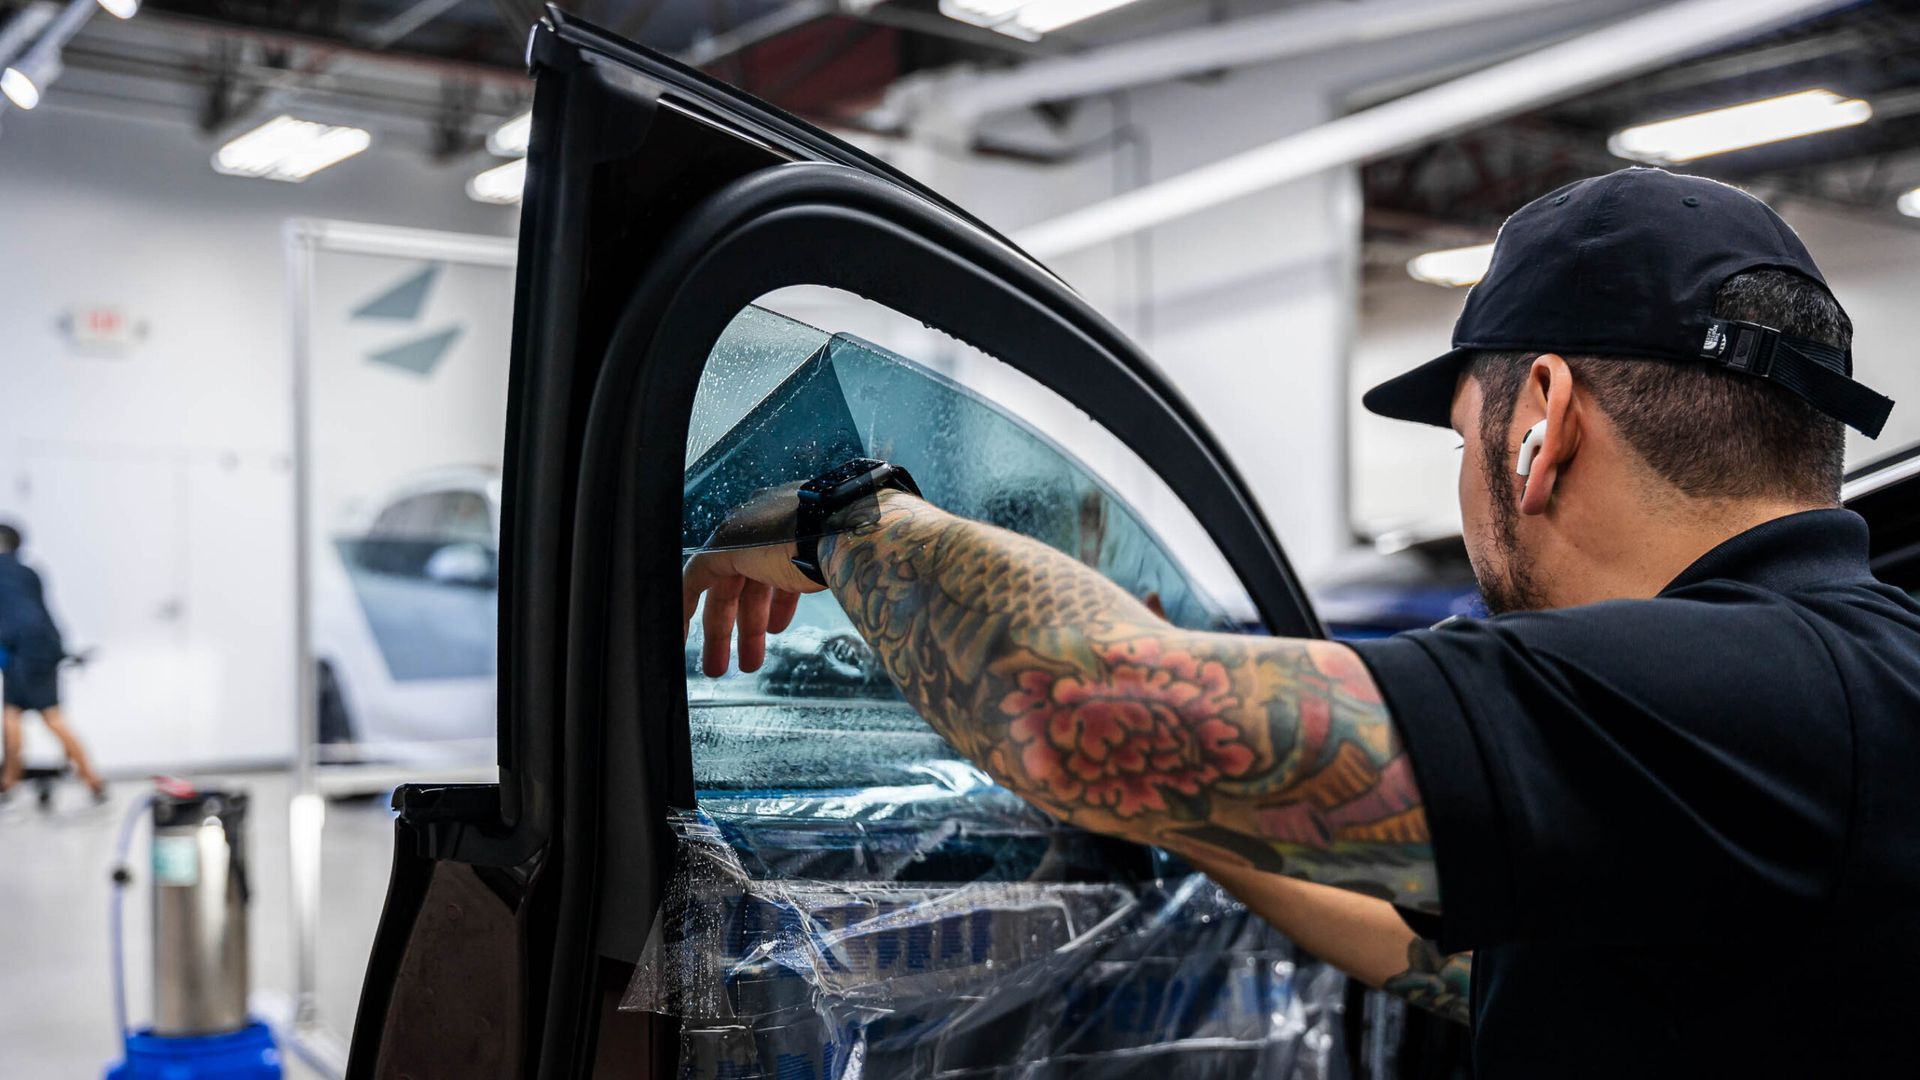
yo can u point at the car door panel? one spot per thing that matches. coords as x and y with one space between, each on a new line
659 205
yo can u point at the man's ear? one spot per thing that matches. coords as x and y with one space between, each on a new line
1548 395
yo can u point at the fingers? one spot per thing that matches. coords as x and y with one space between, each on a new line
716 623
693 582
755 599
780 613
702 572
732 601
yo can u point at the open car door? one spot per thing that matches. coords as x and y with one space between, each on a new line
786 873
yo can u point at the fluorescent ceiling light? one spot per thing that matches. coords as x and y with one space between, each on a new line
29 77
500 184
1453 267
1737 127
287 149
1909 204
511 138
1026 19
19 89
121 9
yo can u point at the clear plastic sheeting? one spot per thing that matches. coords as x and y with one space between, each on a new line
802 937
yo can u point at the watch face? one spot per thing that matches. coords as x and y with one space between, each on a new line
856 468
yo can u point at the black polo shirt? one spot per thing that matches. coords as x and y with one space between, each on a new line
1682 835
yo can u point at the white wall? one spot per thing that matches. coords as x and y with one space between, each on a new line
1404 474
1873 262
155 487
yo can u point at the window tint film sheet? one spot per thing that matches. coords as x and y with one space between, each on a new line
849 398
781 402
829 935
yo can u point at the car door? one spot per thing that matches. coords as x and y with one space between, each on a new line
783 874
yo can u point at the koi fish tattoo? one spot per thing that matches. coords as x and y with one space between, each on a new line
1275 753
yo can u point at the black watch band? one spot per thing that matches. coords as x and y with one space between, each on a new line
833 491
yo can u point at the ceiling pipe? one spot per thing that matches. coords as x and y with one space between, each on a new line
1632 45
776 23
959 100
24 27
779 22
473 71
28 75
407 21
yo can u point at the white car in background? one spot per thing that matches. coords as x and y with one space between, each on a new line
404 624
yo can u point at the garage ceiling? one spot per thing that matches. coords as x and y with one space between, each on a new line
440 74
1458 190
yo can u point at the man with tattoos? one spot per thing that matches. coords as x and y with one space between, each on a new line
1657 816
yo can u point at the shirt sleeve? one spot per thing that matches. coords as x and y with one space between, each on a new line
1645 770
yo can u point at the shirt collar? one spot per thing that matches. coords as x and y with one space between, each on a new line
1808 548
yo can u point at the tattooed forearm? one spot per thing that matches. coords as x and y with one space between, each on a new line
1070 692
1435 981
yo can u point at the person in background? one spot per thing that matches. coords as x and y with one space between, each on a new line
31 644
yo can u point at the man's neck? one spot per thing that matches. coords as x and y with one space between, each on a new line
1627 564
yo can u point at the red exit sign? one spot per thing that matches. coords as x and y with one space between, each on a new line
103 329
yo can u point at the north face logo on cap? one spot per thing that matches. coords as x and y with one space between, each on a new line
1716 341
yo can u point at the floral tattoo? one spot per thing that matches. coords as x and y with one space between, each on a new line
1147 726
1269 752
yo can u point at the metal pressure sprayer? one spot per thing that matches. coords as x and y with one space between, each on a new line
199 913
201 1029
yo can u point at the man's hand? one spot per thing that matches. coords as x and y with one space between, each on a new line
754 589
1362 936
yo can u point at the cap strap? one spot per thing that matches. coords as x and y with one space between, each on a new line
1815 371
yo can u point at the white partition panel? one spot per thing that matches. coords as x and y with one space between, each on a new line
401 341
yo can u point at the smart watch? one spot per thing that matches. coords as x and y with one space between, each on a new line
833 491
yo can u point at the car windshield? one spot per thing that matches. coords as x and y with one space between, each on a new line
781 403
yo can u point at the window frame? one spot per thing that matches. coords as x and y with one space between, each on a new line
826 225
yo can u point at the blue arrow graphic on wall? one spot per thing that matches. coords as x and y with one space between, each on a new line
421 355
402 301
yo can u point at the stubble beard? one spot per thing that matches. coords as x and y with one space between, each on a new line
1507 580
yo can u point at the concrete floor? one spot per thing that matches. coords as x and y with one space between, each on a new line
56 1010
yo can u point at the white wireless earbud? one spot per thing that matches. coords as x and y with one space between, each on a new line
1529 447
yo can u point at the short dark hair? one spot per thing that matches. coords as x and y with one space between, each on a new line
9 538
1711 433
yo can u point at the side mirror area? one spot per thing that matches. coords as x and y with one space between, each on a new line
463 563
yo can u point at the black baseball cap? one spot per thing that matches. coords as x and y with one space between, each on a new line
1627 264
